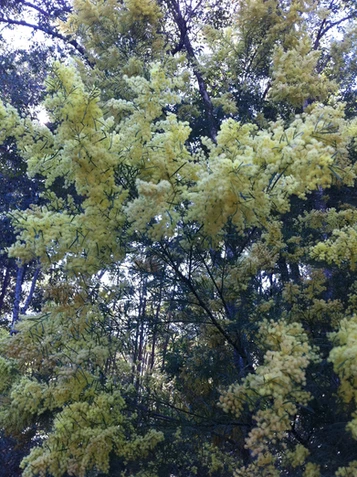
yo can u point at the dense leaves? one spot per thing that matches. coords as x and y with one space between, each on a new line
196 234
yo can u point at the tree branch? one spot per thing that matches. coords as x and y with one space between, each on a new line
18 290
236 344
322 31
4 287
185 42
43 12
50 32
35 7
31 292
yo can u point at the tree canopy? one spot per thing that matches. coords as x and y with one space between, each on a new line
189 242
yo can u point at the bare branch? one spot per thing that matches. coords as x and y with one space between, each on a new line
35 7
48 31
44 12
326 26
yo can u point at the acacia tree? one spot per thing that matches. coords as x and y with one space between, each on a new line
198 231
22 77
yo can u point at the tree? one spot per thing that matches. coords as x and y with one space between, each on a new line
22 76
197 228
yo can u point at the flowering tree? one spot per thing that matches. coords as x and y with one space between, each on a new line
197 237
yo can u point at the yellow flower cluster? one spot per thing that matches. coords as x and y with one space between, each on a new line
250 173
295 77
340 248
298 456
10 123
6 371
276 387
350 471
140 10
69 348
344 358
311 470
254 469
84 436
123 16
81 151
215 459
